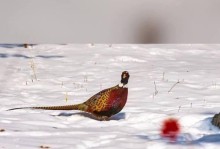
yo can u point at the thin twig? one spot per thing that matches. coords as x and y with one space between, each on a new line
204 102
163 75
179 109
66 97
155 87
85 79
33 68
32 62
174 86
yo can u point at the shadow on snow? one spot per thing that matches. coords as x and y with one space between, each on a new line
213 138
11 45
118 116
4 55
182 139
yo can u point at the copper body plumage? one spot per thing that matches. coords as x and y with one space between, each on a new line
102 105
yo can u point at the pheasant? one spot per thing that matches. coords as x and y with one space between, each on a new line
102 105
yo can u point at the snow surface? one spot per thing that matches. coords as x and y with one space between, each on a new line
186 78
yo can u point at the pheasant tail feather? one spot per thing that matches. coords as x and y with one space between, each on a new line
81 107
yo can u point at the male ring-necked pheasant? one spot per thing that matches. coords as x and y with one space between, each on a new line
102 105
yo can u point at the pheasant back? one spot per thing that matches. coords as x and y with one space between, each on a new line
107 102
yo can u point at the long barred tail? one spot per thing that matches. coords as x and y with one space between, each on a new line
81 107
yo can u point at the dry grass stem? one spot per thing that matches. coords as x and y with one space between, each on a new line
173 86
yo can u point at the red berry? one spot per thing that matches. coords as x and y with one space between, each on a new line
170 129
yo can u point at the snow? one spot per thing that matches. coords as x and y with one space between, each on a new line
78 71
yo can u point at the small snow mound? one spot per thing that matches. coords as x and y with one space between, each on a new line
216 120
206 125
159 51
127 59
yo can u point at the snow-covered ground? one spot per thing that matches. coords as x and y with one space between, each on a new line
69 74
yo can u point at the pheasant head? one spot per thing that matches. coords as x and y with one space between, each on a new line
124 78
